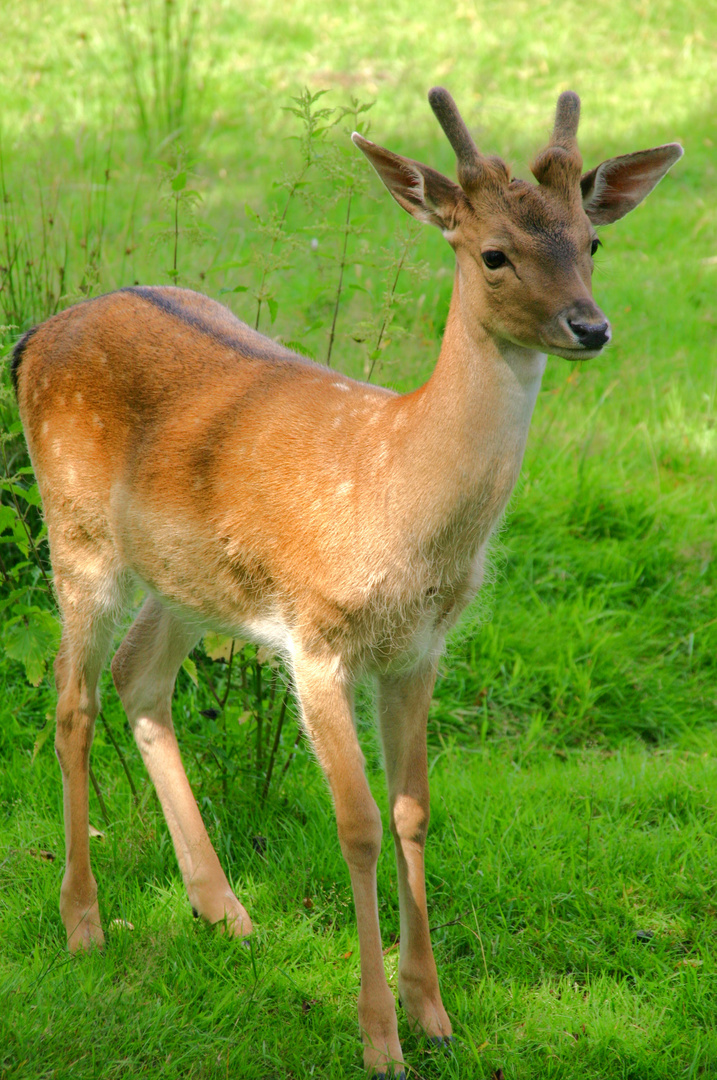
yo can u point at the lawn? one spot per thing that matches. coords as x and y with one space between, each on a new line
572 851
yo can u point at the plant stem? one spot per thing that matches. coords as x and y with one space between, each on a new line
587 840
100 798
225 695
388 306
121 756
290 758
265 272
210 684
275 746
341 278
259 721
176 236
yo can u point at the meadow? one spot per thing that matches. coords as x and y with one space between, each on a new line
572 852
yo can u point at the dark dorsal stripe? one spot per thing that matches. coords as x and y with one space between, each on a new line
250 346
17 355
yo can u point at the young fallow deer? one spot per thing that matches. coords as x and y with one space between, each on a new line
249 490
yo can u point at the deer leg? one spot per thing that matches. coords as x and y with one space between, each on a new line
403 713
144 670
327 708
87 632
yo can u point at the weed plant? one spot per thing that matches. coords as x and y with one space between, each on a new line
571 858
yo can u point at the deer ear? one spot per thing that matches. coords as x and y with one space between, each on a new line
424 193
617 186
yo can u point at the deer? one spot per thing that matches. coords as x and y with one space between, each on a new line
249 490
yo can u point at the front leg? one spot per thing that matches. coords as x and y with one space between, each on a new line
403 714
326 699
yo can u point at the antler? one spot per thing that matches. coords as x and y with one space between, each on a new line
468 156
567 118
560 163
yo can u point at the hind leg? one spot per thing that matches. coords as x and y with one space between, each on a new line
144 671
86 636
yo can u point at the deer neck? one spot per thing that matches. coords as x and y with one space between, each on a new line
468 427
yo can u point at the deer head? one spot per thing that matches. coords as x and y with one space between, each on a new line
524 251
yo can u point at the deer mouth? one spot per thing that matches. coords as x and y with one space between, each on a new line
577 353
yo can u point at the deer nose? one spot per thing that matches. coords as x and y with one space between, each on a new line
590 335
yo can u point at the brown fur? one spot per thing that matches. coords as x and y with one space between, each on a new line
249 490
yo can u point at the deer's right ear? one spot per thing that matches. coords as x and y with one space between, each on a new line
424 193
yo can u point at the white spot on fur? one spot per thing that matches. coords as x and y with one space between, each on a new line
341 386
345 487
78 397
96 421
45 427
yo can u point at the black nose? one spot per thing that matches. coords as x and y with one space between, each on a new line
590 335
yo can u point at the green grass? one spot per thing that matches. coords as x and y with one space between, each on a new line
546 961
572 742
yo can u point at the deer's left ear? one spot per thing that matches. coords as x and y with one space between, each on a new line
620 184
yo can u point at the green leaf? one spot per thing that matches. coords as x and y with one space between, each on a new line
42 736
190 667
32 639
237 288
12 596
299 347
7 518
179 182
273 308
30 494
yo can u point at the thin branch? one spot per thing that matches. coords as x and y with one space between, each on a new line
100 798
225 695
265 272
210 684
121 756
389 303
290 758
451 922
341 279
275 746
259 719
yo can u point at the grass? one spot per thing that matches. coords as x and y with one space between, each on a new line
571 858
573 902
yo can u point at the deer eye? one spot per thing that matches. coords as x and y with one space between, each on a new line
595 245
493 259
